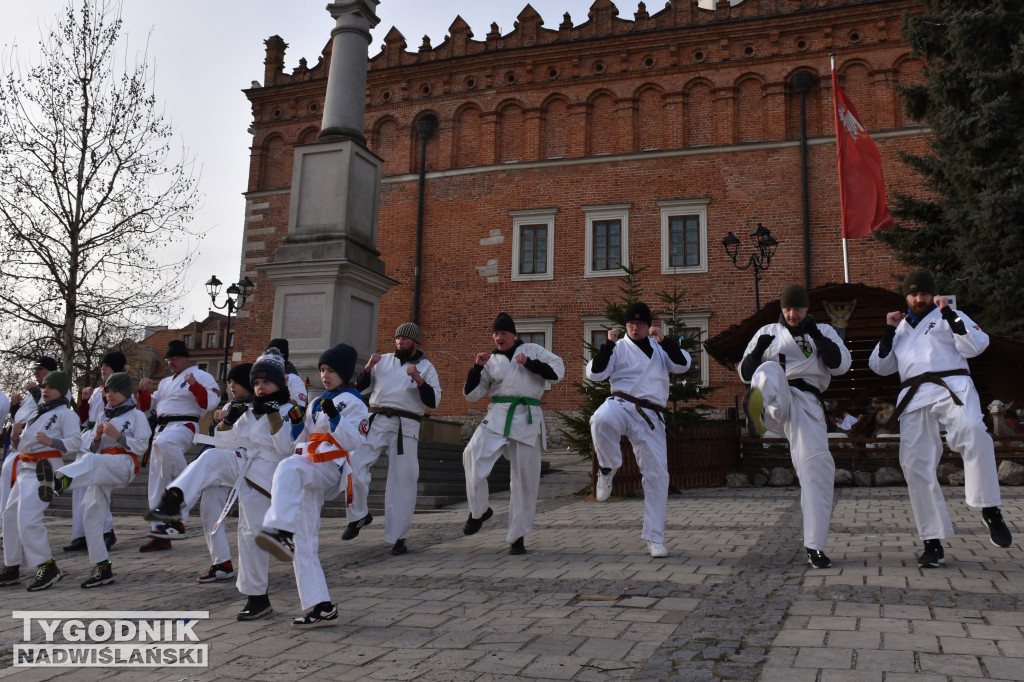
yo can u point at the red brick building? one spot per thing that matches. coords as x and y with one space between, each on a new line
562 151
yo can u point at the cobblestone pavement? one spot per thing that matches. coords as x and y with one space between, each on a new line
734 600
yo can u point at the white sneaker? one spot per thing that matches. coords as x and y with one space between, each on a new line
603 488
657 549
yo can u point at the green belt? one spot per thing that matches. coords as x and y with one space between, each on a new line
516 401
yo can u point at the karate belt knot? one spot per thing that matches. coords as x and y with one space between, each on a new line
337 452
514 402
31 457
394 412
914 383
642 403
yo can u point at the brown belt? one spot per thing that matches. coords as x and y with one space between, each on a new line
914 383
394 412
642 403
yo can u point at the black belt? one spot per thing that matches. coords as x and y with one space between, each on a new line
642 403
394 412
167 419
914 383
807 387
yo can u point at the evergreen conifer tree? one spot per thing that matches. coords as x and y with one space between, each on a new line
969 227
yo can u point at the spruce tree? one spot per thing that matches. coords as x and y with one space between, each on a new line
969 227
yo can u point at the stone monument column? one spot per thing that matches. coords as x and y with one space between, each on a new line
328 273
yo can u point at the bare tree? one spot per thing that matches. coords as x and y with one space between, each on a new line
92 199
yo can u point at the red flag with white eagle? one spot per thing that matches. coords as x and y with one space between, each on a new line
861 187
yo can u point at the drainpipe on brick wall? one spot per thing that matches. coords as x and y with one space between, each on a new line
802 82
425 127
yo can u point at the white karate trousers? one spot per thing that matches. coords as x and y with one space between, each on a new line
921 448
210 507
478 459
799 416
93 476
400 489
616 418
300 488
216 467
166 461
24 531
77 502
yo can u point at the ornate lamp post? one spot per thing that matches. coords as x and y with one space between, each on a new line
237 294
760 260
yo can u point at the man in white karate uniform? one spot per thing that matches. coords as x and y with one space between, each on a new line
788 365
180 401
514 375
638 370
929 346
402 385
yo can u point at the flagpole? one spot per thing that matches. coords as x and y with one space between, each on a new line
842 199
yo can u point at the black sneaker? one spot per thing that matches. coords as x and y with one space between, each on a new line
279 543
933 555
473 525
321 615
48 488
10 575
76 545
169 509
109 539
817 558
256 606
352 529
517 547
218 572
47 575
173 530
101 575
399 547
997 530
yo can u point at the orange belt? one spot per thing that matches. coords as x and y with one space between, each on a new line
122 451
31 457
338 452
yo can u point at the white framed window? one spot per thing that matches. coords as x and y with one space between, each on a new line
595 332
695 325
211 340
188 341
538 330
533 244
607 240
684 236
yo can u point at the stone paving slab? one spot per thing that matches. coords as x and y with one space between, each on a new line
734 600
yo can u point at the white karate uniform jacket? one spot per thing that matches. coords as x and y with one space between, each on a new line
503 377
391 386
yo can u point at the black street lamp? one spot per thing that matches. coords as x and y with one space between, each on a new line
760 260
237 294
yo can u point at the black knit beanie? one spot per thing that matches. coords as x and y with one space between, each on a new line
342 359
504 323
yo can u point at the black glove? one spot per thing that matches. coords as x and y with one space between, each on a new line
269 403
265 406
810 326
235 412
763 342
329 408
753 361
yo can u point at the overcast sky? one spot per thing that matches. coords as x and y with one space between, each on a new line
207 51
